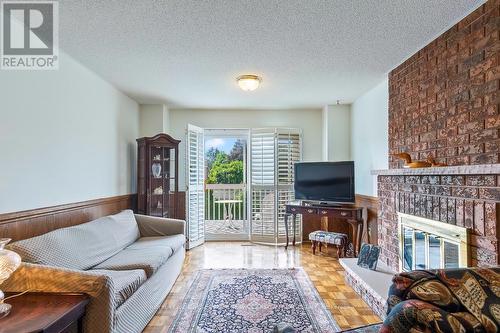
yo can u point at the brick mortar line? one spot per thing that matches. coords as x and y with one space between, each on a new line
447 185
446 196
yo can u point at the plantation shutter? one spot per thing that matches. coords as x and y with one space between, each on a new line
262 174
289 151
272 154
195 187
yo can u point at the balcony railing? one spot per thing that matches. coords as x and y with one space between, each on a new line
225 208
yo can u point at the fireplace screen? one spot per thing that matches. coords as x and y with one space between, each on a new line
427 244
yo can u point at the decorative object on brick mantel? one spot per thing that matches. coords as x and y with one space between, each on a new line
481 169
430 162
433 162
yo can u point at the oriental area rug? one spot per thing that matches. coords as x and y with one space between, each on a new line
253 301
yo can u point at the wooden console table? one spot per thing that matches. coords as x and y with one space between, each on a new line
355 216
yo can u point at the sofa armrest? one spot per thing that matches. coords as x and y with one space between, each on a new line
423 285
415 315
41 278
150 226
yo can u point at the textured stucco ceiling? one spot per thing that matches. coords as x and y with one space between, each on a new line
187 53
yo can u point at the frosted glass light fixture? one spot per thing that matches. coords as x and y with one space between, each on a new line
9 262
248 82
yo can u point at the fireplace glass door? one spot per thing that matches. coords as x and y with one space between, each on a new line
422 250
430 244
434 252
450 254
407 254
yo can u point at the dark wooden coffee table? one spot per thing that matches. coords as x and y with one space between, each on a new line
44 313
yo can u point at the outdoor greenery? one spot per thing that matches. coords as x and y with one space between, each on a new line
225 168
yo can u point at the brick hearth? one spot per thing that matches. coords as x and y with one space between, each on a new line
470 201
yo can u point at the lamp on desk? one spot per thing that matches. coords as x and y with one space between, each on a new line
9 262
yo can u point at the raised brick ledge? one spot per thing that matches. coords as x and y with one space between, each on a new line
480 169
372 286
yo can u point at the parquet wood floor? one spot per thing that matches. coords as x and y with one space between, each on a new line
348 309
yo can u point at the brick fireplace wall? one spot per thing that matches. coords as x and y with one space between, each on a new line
470 201
443 101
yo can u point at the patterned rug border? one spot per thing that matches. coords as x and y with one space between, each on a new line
299 273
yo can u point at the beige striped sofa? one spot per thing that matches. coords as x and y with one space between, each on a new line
127 264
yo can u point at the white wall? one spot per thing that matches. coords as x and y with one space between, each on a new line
369 136
65 136
336 132
150 119
153 119
166 119
309 121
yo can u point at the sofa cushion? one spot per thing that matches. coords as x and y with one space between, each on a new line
125 228
82 246
147 253
125 283
174 242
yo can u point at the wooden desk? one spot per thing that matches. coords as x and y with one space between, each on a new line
355 216
44 313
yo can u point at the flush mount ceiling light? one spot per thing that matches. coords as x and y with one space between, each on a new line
248 82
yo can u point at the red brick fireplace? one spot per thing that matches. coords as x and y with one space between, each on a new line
444 103
466 196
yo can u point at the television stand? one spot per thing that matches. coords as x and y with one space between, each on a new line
354 215
324 204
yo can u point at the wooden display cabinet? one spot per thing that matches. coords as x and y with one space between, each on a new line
158 175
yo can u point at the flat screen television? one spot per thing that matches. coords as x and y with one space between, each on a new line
325 182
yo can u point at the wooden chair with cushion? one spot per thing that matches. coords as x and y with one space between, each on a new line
325 237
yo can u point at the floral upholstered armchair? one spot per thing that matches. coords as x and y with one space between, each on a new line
446 300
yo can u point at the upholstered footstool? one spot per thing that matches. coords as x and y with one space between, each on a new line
332 238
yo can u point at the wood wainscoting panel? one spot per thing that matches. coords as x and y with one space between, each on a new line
180 206
312 223
371 204
31 223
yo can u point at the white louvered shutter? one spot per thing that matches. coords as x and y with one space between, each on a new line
289 151
273 152
195 191
262 170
